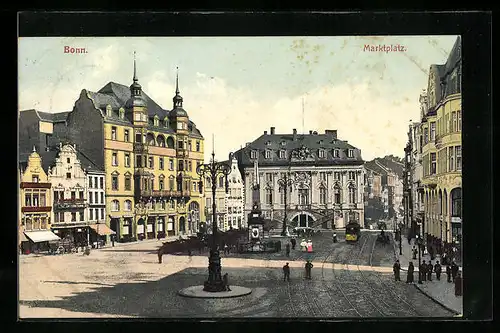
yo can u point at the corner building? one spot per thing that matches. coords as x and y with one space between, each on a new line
441 142
149 156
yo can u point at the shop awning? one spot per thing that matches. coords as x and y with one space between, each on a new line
41 236
102 230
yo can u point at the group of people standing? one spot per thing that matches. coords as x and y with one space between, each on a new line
425 270
304 246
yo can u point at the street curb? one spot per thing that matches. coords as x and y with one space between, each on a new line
437 301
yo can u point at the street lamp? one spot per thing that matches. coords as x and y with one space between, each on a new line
97 230
419 242
214 170
301 153
400 239
284 183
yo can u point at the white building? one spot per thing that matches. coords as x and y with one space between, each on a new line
325 176
229 206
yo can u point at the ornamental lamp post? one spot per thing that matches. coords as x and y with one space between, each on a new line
213 170
284 183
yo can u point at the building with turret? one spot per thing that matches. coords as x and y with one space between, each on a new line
149 155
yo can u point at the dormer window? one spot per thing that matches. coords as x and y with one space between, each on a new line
108 111
268 154
336 153
165 122
283 143
350 153
253 154
321 153
156 121
268 143
122 113
282 154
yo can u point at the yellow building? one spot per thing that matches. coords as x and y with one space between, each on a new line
35 205
441 128
149 155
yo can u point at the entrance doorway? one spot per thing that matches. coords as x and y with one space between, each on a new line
182 225
303 220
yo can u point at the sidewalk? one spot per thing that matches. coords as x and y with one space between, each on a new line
442 292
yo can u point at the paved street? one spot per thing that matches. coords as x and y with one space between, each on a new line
127 281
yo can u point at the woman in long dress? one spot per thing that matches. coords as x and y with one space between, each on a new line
411 269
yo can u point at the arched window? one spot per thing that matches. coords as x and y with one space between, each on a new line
221 181
128 205
115 206
171 180
322 195
352 194
440 203
456 202
170 142
150 139
337 195
161 140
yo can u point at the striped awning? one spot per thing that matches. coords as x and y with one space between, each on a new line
102 229
41 236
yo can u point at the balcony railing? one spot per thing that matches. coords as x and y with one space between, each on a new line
42 209
70 203
182 152
164 193
140 148
35 185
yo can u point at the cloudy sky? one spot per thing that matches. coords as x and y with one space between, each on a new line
239 87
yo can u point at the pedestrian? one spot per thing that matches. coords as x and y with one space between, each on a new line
160 255
294 242
189 252
287 249
448 273
454 270
431 252
225 280
430 268
414 251
444 260
396 268
422 271
308 267
335 237
113 240
437 270
309 246
303 245
286 272
409 276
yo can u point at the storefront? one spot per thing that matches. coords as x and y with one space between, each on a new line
151 232
100 233
38 241
161 227
141 229
127 231
171 226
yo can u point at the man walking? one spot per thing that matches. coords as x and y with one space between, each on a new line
287 249
448 273
430 268
454 270
422 270
396 268
225 280
294 242
437 270
308 267
286 272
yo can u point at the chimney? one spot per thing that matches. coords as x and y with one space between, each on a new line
247 144
272 130
310 132
265 132
294 134
333 133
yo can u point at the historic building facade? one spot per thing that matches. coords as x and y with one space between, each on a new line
149 156
440 139
325 177
35 203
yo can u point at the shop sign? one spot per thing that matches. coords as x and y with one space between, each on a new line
455 219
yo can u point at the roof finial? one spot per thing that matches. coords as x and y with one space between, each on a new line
135 71
34 149
177 82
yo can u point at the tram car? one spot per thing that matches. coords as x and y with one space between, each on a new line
352 232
